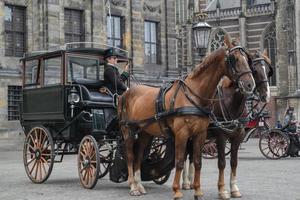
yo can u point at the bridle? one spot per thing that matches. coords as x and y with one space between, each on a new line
261 61
231 64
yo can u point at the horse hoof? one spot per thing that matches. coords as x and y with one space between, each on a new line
186 186
236 194
135 193
224 195
198 197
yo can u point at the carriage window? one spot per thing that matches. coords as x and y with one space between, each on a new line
83 68
31 70
52 73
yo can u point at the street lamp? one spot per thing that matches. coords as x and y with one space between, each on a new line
201 31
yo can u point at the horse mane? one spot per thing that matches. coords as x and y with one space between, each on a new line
267 59
208 60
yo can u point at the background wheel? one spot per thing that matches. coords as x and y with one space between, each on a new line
106 156
162 180
88 162
210 149
38 154
274 144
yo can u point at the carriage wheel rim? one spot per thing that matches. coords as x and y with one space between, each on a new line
273 145
88 162
38 156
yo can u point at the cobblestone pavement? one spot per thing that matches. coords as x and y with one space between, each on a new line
258 179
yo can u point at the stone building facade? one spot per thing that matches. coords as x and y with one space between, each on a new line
145 28
258 24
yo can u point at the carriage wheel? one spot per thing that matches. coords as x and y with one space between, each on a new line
88 162
274 144
38 154
162 180
210 149
106 156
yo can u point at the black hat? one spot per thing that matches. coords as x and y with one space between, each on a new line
110 52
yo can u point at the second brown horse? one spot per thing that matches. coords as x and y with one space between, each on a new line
138 104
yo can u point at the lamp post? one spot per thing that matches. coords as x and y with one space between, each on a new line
201 32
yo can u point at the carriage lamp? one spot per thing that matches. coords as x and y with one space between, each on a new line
201 32
73 98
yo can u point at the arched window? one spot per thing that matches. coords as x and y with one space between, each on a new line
270 45
217 39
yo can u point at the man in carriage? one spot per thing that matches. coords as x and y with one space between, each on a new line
114 81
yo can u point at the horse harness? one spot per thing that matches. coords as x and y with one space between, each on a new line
162 114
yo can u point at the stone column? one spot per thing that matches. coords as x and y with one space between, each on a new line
297 27
243 34
55 22
282 55
2 31
171 34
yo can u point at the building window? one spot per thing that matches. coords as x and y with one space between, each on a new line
251 3
217 40
74 26
115 31
14 30
151 44
270 45
14 96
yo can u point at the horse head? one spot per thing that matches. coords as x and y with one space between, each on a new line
237 67
261 69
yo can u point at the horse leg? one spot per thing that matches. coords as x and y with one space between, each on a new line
221 143
198 143
188 169
235 143
142 143
180 147
186 185
129 143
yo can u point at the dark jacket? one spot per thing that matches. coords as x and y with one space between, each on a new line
115 81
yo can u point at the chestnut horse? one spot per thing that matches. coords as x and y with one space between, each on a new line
232 106
138 105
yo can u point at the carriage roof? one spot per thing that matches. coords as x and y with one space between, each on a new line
82 50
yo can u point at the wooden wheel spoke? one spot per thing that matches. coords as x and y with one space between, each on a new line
40 167
34 144
83 169
44 168
87 177
31 170
37 169
43 141
44 161
44 149
28 162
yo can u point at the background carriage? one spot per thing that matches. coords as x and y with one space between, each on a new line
64 113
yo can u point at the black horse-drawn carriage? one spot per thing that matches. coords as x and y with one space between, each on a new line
66 109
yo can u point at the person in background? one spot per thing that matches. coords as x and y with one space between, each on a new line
114 81
290 124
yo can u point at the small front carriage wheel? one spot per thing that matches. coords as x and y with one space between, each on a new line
88 162
38 154
274 144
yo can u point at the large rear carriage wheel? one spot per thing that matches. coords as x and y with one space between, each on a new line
88 162
274 144
38 154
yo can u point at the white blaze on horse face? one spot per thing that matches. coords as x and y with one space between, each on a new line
253 81
268 86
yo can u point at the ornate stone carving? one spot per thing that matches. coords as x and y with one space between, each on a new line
152 7
121 3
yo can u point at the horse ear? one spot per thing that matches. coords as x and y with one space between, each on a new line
265 52
227 41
